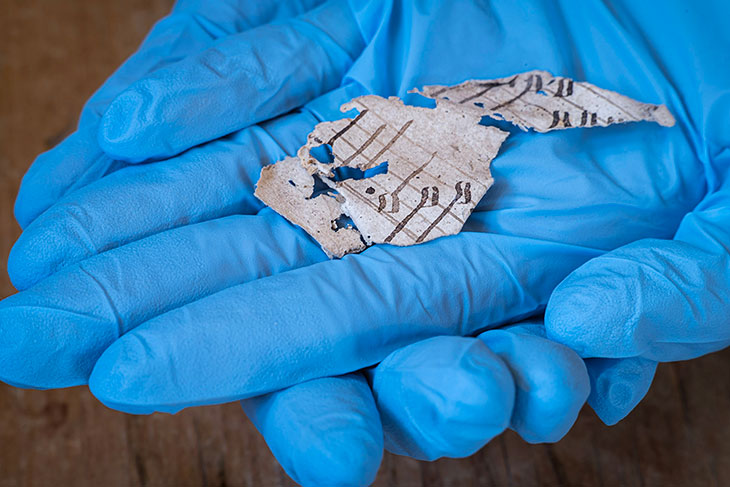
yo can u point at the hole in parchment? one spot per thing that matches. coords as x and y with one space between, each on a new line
503 125
342 221
323 153
479 104
321 188
292 183
343 173
541 92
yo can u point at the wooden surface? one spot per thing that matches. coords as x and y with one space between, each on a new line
53 53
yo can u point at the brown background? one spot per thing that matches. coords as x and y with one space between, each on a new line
53 54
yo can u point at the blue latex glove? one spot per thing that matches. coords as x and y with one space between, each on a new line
478 300
195 39
592 191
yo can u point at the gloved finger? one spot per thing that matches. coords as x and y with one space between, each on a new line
448 396
241 80
442 397
618 385
52 334
552 381
331 318
72 164
659 299
324 432
142 200
192 27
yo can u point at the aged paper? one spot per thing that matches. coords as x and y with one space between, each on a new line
543 102
437 171
287 188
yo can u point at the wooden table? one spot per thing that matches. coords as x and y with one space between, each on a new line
53 54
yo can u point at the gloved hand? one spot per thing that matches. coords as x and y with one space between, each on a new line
487 288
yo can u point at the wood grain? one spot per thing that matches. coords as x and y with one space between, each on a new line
53 54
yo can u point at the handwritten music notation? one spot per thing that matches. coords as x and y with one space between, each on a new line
543 102
429 197
438 167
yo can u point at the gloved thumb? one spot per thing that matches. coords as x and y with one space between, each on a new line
662 300
239 81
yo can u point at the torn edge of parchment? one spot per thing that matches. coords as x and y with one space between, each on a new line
404 175
540 101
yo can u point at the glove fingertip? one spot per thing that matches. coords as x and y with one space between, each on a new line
70 165
122 130
55 239
19 366
121 378
30 259
58 359
39 189
618 385
324 432
443 397
591 312
27 207
552 383
20 267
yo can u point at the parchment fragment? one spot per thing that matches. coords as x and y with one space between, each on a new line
287 188
432 165
543 102
437 171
